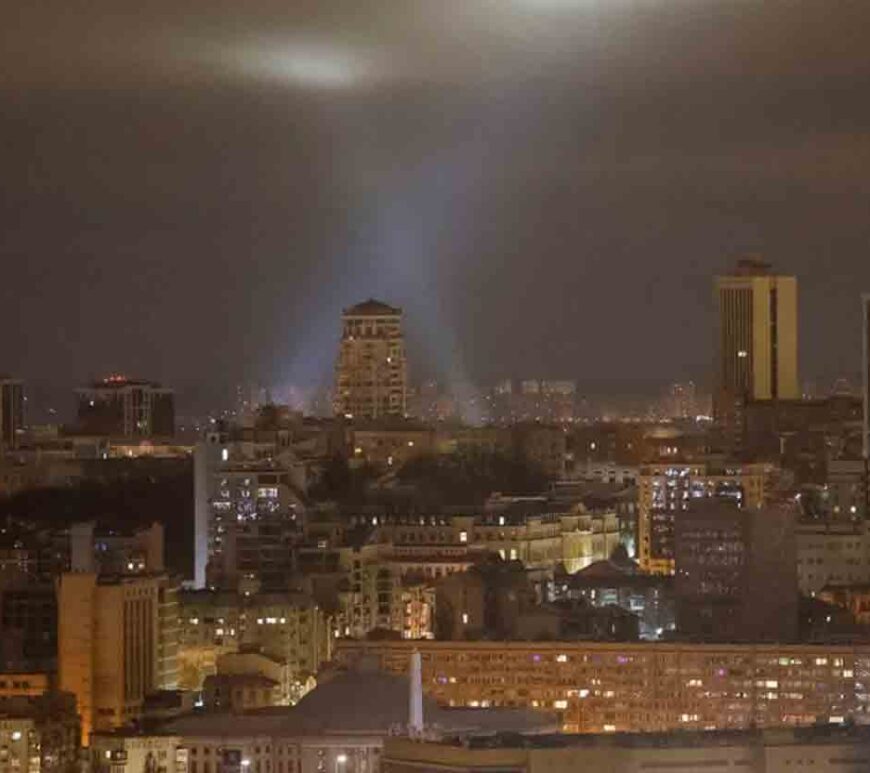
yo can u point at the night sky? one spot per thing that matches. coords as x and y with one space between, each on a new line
191 191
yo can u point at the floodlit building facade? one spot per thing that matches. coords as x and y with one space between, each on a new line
108 645
116 635
371 371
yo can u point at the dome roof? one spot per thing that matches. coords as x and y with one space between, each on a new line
372 308
359 702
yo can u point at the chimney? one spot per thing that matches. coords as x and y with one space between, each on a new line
415 707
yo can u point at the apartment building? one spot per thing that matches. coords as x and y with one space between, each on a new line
642 687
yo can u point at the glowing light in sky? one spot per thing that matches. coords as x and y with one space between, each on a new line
307 63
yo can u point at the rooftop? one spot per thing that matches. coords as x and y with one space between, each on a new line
372 308
816 735
117 381
359 701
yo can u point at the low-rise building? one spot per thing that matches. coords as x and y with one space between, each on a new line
131 751
32 684
619 583
39 732
855 598
240 692
288 627
249 662
340 726
831 553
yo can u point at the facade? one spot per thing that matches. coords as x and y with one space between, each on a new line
249 662
608 583
11 412
371 378
641 687
288 628
821 750
853 598
108 645
390 442
387 581
240 692
832 554
724 555
247 510
540 538
339 727
757 335
126 751
846 487
116 632
665 491
39 733
382 593
256 519
28 622
32 684
121 407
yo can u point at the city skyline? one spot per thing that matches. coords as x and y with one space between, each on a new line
217 196
472 385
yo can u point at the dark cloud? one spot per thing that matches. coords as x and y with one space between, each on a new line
192 191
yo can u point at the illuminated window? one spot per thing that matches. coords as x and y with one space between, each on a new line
463 536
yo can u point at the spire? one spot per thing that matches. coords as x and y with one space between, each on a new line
415 703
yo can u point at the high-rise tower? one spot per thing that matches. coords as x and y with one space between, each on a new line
756 356
11 412
371 372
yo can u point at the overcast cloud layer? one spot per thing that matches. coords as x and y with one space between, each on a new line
193 190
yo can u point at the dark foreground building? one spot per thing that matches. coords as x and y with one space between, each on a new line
121 407
820 750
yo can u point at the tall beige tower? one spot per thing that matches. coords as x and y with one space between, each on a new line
371 372
108 646
756 356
